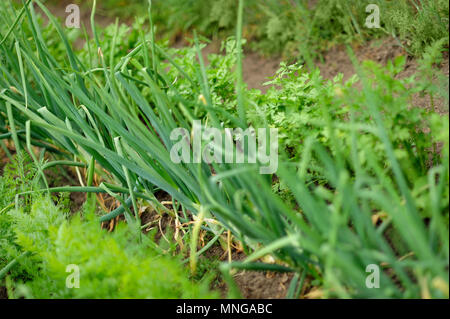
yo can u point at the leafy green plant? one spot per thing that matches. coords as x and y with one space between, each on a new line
111 265
38 241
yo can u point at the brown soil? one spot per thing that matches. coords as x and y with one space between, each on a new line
252 284
257 68
337 60
159 221
56 179
3 293
263 285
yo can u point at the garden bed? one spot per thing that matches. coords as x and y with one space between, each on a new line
88 169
